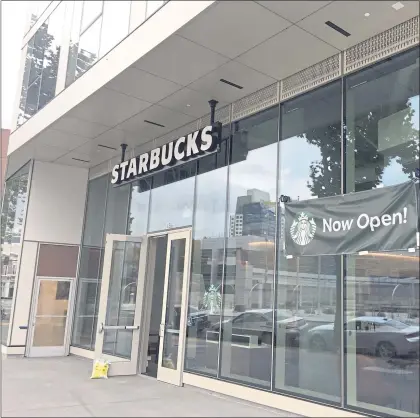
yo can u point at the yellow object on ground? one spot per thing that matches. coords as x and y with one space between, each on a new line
100 369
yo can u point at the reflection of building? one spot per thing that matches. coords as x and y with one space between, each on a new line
253 215
4 139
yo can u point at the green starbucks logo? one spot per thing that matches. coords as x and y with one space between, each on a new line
303 229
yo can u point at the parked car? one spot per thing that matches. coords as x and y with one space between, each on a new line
259 322
196 318
383 337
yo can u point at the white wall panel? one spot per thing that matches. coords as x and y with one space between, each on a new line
24 292
56 204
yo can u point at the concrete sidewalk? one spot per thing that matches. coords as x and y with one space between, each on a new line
61 387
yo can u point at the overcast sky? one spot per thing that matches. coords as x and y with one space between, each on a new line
13 21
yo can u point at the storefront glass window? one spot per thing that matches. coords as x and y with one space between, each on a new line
95 212
382 116
90 268
172 197
12 219
202 344
382 289
139 207
249 259
307 360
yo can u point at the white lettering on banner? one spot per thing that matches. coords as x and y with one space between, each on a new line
365 221
337 225
193 145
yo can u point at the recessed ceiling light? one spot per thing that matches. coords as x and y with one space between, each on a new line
188 105
367 14
154 123
397 6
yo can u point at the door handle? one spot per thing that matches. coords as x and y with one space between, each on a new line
103 327
161 330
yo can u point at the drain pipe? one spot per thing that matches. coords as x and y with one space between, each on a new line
123 148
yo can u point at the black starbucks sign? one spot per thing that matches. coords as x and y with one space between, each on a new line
194 145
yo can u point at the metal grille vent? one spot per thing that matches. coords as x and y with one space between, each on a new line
222 115
311 77
391 41
261 99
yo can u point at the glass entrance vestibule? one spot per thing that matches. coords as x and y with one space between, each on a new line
141 315
230 305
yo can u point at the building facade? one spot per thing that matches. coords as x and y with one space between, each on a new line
175 265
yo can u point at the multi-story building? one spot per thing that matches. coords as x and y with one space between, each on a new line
4 139
118 165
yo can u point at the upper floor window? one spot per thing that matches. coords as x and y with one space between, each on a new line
41 66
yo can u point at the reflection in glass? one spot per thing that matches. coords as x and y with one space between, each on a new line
382 332
12 218
121 302
49 331
53 298
382 113
382 289
86 312
51 313
173 303
249 260
139 208
74 42
91 11
202 343
52 45
32 98
24 92
115 23
37 8
308 288
95 212
88 48
172 205
117 210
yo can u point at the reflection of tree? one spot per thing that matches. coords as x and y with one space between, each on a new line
363 137
41 67
79 62
14 198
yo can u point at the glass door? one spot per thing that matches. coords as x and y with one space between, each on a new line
50 318
120 305
174 309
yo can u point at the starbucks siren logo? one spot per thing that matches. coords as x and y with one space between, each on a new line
303 229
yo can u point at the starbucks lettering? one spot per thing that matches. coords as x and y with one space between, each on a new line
196 144
382 219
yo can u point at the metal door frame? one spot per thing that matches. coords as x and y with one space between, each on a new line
119 365
174 376
149 283
32 351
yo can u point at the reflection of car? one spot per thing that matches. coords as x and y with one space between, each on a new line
381 336
196 318
259 322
